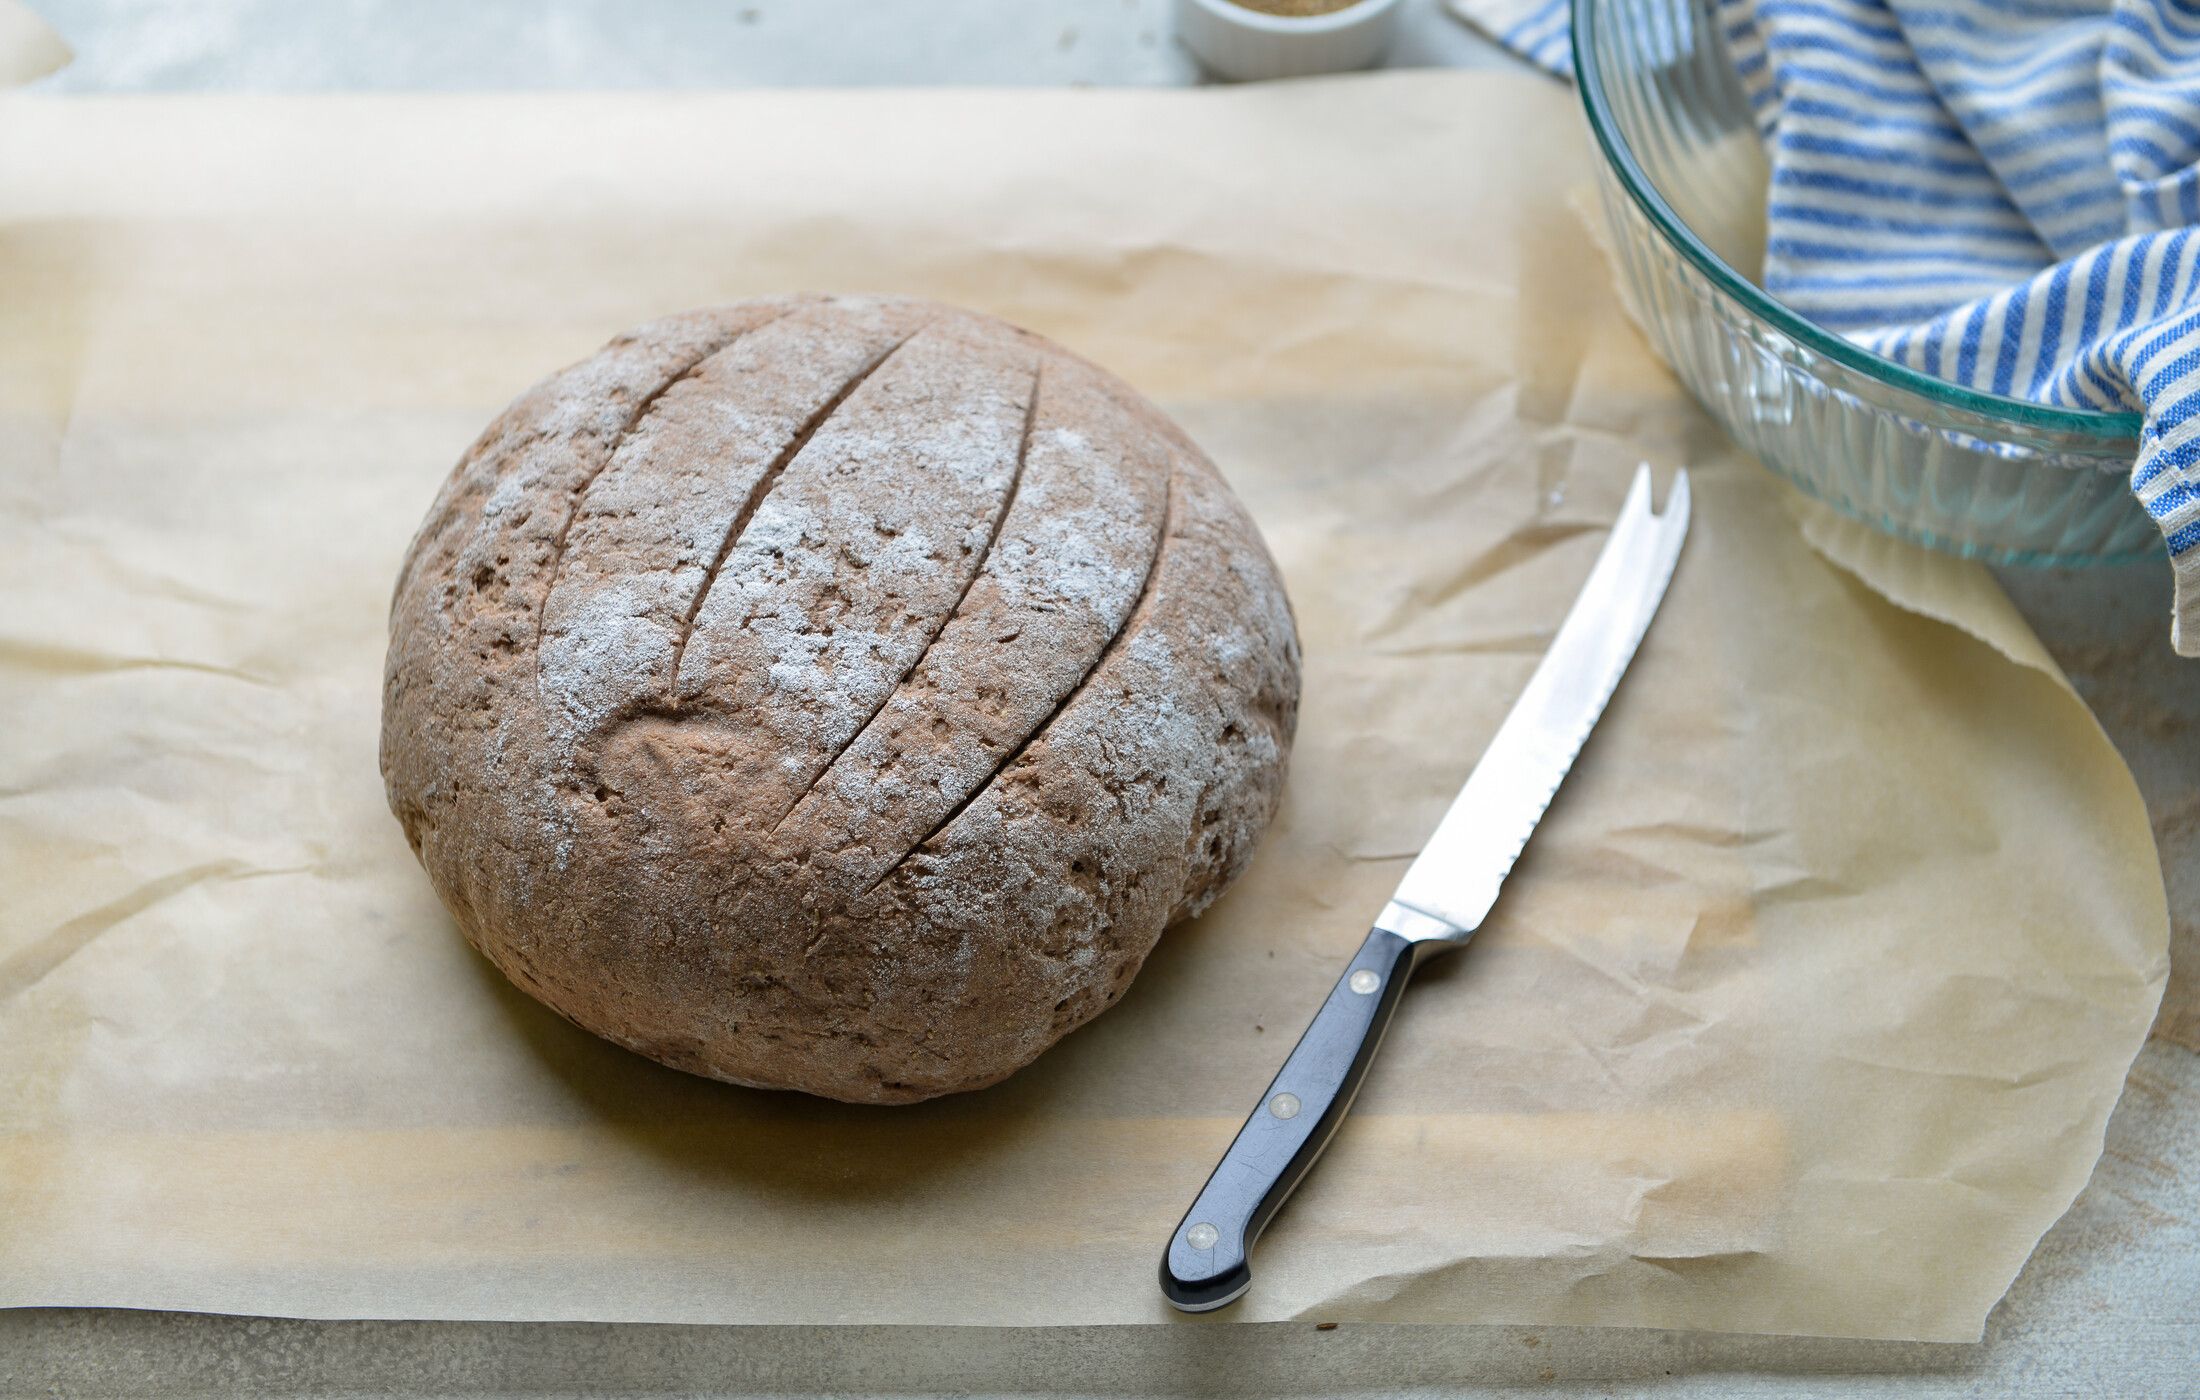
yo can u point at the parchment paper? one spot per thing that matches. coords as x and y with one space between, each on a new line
1803 1012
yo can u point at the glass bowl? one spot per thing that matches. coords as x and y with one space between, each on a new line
1683 182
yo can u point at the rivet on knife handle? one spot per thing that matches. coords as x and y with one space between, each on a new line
1442 900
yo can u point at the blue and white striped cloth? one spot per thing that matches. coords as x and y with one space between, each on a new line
2003 193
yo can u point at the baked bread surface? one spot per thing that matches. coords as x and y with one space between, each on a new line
834 694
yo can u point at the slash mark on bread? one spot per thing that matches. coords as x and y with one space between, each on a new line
634 421
1133 621
755 501
985 555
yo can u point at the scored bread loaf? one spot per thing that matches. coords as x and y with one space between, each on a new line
834 694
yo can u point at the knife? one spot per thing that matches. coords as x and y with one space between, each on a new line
1443 899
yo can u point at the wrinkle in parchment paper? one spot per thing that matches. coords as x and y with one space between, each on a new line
1802 1013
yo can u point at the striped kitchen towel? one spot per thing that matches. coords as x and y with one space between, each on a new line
2003 193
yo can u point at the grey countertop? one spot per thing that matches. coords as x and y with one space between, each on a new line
2108 1305
417 45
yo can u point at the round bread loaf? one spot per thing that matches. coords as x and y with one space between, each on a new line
834 694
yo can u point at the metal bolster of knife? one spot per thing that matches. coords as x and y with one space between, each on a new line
1414 924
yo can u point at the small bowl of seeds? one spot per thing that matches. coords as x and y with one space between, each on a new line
1250 39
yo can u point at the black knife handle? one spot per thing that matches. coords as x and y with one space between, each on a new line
1208 1261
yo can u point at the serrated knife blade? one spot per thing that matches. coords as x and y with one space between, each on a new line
1450 886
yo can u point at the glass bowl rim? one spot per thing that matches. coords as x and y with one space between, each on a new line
1588 80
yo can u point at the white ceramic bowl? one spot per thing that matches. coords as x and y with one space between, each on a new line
1236 42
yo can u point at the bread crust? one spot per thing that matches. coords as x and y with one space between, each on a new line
834 694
